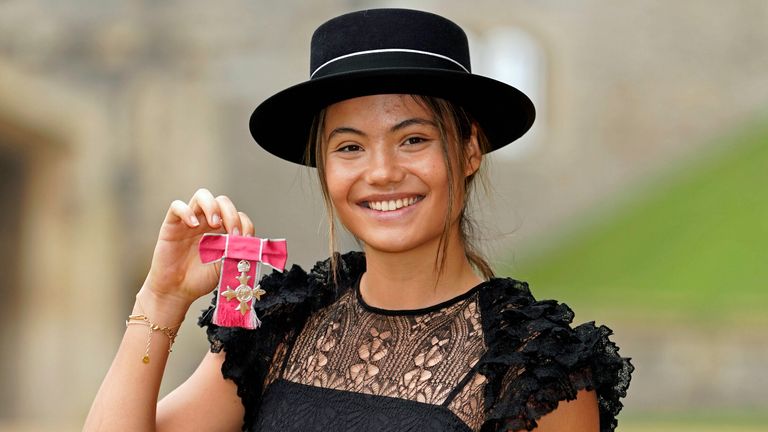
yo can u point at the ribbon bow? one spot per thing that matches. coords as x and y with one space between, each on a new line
240 270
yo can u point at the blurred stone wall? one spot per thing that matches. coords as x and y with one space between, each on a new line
109 110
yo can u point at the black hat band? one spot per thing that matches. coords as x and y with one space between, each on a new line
392 58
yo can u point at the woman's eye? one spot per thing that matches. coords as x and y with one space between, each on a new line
415 140
349 148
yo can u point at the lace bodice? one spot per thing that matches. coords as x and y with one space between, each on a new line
491 359
426 355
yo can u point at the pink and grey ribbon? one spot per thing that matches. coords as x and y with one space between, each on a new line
241 259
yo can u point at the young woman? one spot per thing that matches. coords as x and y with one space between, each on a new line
415 333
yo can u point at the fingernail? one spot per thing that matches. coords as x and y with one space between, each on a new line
235 231
194 220
215 219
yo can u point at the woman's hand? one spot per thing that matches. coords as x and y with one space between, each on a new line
127 397
177 277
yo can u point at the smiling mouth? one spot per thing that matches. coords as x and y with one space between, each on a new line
392 205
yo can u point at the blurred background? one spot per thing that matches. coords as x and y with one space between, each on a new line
640 198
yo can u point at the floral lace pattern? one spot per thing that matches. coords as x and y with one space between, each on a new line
422 357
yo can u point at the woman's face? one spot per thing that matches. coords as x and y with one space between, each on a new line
385 172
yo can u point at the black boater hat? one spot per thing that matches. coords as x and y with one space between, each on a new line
383 51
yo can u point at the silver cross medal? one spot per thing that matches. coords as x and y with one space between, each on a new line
243 292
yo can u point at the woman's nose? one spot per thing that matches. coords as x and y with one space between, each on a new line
384 168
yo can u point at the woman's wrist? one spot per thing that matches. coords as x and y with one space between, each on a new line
163 310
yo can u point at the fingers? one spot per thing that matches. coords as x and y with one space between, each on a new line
229 215
179 210
219 212
246 223
204 204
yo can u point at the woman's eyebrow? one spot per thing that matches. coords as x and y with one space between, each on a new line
343 129
412 121
403 124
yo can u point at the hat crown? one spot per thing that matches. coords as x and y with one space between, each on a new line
376 31
387 51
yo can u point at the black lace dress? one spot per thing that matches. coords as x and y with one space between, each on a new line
492 359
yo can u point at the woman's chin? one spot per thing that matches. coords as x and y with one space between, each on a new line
393 246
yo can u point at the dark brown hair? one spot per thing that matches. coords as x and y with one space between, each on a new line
455 126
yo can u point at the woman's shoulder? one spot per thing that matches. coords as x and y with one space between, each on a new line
508 301
535 342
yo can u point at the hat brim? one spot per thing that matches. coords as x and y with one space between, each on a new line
282 123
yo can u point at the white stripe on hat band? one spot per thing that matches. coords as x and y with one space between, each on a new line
387 50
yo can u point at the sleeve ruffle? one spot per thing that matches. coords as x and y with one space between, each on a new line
535 359
293 296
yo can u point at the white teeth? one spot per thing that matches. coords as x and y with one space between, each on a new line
392 204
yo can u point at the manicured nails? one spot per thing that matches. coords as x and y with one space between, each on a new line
215 219
235 231
193 220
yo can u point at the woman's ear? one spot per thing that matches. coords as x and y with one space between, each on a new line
474 156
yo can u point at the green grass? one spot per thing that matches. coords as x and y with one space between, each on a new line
673 426
692 246
704 421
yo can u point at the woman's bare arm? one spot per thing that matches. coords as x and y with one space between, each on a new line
206 401
127 399
579 415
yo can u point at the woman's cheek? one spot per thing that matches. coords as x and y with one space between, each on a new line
339 183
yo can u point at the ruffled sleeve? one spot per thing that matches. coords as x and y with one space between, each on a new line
293 297
535 359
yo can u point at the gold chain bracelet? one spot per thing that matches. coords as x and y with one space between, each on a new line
141 319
